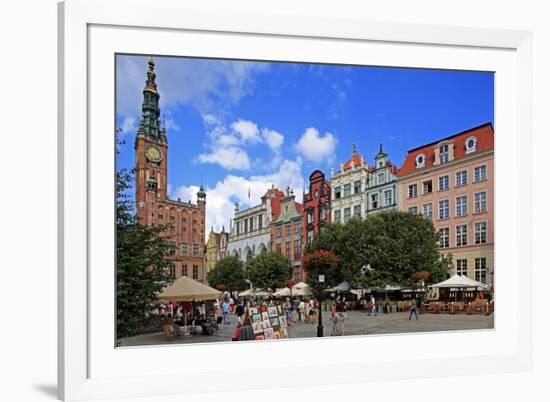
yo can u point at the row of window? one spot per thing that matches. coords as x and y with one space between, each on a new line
247 225
195 271
185 249
347 190
480 268
388 199
461 207
173 218
288 229
461 238
444 152
461 179
297 249
322 214
347 214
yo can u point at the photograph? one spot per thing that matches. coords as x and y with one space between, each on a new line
284 333
272 311
257 327
266 324
356 198
269 333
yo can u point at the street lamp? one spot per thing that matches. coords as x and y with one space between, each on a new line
320 323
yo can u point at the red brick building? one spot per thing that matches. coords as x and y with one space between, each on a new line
286 232
316 206
152 203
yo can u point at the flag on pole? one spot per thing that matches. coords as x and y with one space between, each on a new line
248 193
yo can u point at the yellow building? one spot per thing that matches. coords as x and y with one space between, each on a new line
216 248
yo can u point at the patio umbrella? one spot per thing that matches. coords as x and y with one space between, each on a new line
282 292
460 282
187 289
342 287
301 289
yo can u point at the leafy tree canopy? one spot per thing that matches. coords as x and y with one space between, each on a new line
269 270
228 274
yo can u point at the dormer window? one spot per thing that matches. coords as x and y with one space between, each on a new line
471 144
444 153
420 160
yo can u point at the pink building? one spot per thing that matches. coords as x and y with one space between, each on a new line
450 181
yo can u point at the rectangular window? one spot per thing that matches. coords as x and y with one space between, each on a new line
310 216
323 213
413 210
246 225
184 270
374 201
297 228
337 193
461 235
388 199
173 248
443 158
357 210
287 249
462 206
481 270
279 231
347 190
443 183
427 211
347 214
480 202
172 272
480 232
337 216
288 229
427 187
278 248
444 238
357 187
260 222
238 226
184 249
195 249
461 178
310 236
381 178
195 272
251 224
297 249
444 209
480 173
413 190
462 267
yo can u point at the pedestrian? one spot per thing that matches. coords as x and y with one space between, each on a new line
312 306
288 310
231 305
338 320
239 312
225 310
301 310
373 308
413 309
333 310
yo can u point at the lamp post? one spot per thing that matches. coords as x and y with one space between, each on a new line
320 323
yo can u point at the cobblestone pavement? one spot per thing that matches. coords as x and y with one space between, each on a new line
357 324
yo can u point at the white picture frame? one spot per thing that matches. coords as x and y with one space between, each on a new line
89 31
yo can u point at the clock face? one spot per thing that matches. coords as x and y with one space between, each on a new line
153 153
316 194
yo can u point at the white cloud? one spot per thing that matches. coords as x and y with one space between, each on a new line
273 139
128 125
316 147
247 130
221 197
227 157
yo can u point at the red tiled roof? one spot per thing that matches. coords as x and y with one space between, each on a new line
354 161
485 141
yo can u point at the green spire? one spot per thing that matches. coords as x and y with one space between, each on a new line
150 121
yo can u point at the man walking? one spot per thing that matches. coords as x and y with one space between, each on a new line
373 308
225 309
413 309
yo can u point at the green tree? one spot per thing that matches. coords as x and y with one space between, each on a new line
321 262
269 270
228 274
142 270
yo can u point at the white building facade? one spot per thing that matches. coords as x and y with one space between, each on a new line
349 189
250 233
382 188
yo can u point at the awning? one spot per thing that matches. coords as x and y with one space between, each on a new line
187 289
460 282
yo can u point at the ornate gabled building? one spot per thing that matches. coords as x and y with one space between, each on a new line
349 189
216 248
186 220
286 232
250 233
316 203
382 185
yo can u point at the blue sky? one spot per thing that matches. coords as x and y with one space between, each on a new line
246 125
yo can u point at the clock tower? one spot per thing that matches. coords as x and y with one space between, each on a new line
151 147
184 221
